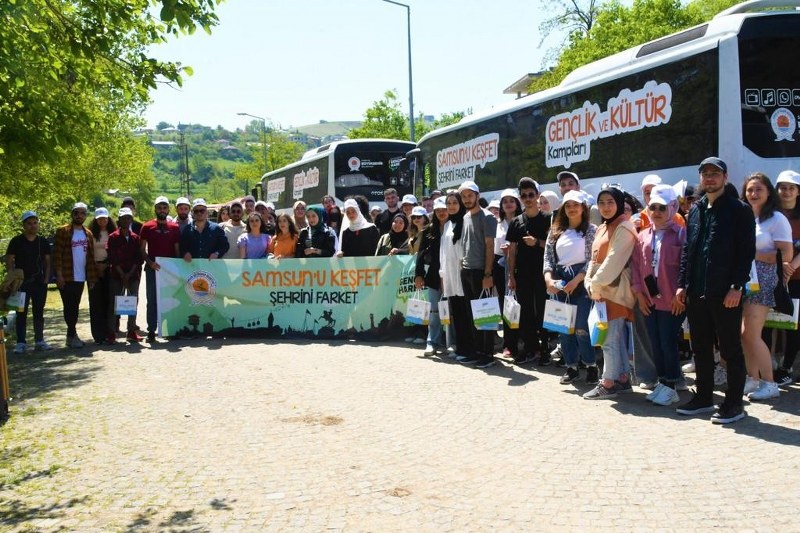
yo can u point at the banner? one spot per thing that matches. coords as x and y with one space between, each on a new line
333 298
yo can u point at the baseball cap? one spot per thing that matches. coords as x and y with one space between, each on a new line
29 214
376 208
690 192
662 194
494 203
199 202
788 176
128 200
469 186
509 192
235 202
80 205
125 212
270 206
575 196
161 200
714 161
651 179
101 212
439 203
567 174
409 199
182 201
248 198
261 203
418 211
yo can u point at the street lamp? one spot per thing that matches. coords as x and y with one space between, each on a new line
410 83
263 140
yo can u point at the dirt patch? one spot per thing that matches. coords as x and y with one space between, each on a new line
398 492
315 420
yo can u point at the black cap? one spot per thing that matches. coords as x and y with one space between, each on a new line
690 191
128 201
715 161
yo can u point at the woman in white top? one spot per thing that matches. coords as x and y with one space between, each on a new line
510 207
451 252
773 233
101 303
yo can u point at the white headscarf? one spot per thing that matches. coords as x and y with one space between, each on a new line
359 224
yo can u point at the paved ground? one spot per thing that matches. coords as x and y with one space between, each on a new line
212 435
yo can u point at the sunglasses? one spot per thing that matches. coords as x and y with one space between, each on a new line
527 195
198 210
657 207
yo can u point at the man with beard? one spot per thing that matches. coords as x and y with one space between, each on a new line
159 238
384 220
125 265
183 207
233 228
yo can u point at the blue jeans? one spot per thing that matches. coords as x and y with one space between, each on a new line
663 328
578 346
152 302
644 363
434 324
35 297
615 350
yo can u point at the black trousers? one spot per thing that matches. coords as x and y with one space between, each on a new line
482 344
709 320
531 295
71 300
99 308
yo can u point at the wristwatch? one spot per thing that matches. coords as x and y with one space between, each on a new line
736 287
487 274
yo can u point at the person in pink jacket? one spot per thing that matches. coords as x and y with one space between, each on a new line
655 268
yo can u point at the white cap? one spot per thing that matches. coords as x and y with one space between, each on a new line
376 208
567 174
182 201
494 203
439 203
161 200
510 192
261 203
575 196
101 212
469 186
663 194
80 205
124 212
200 202
788 176
651 179
271 206
29 214
419 211
409 199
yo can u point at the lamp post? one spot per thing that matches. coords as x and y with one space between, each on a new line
263 141
410 83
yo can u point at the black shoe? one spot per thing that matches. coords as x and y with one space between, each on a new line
468 361
592 375
783 377
559 362
727 415
695 406
623 388
522 359
569 376
486 363
544 359
151 337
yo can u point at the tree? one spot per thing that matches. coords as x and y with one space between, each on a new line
384 120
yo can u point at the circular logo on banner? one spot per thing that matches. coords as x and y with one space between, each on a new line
783 124
201 287
354 163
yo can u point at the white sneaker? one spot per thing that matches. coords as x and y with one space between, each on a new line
429 350
689 367
649 385
765 391
451 349
667 396
655 392
751 385
20 347
720 376
75 342
42 346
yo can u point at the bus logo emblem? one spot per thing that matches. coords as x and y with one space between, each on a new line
354 163
783 124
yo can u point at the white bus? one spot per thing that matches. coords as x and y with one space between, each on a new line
340 169
728 88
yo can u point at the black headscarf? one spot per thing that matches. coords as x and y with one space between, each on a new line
619 199
458 218
398 238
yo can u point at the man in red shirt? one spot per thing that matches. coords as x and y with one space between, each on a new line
125 266
159 238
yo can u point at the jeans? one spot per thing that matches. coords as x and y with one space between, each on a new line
152 300
71 300
117 289
99 309
644 363
578 346
663 328
615 350
434 323
710 320
35 296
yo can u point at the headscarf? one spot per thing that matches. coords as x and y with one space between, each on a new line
553 200
397 239
360 222
320 224
619 199
458 218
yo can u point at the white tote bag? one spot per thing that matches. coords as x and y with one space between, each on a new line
486 311
418 310
444 312
511 310
559 316
125 305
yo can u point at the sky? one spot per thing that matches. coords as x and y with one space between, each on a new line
296 62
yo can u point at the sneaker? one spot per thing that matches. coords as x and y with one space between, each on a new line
451 349
75 342
783 377
689 367
151 337
507 352
600 393
111 339
21 347
655 392
667 396
720 376
681 385
569 376
466 360
419 340
727 415
765 391
544 359
429 350
132 336
695 406
648 385
592 375
486 363
523 359
42 346
623 388
409 339
751 385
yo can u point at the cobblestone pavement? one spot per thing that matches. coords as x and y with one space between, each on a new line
242 435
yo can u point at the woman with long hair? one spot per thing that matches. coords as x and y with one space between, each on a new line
427 274
396 241
101 304
510 208
358 238
451 252
299 210
788 184
254 243
773 233
419 220
285 241
608 279
567 256
224 214
316 239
